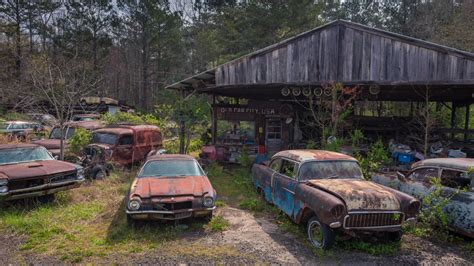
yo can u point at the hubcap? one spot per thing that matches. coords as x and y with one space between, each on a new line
315 234
100 175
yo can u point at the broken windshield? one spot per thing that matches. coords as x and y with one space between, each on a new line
329 170
21 155
171 168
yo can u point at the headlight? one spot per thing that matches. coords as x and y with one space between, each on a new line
3 186
80 173
134 205
414 208
208 202
338 211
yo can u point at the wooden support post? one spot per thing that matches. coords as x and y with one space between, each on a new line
214 121
453 118
466 122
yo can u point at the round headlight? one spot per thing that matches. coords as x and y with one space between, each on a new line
134 205
208 202
80 174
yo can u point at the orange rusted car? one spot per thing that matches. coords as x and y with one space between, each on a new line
327 192
170 187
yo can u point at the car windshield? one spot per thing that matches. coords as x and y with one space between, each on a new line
56 133
3 125
171 168
9 156
104 138
330 169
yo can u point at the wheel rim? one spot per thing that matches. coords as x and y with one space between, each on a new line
100 175
315 234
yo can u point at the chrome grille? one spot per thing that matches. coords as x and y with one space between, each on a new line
62 177
367 220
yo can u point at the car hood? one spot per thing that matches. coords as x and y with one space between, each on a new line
49 143
146 187
34 169
359 194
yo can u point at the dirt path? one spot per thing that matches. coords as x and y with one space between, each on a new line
251 240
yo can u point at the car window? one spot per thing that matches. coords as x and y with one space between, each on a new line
424 174
455 179
288 169
275 165
126 140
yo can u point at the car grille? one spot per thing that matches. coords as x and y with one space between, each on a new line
38 181
361 220
173 206
62 177
21 184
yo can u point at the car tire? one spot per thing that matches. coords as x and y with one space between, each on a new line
99 174
320 235
208 217
46 198
395 236
130 221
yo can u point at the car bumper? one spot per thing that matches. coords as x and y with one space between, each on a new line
39 190
169 215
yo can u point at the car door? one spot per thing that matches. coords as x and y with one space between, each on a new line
284 185
418 182
263 177
123 153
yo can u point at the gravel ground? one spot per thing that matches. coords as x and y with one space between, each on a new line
251 240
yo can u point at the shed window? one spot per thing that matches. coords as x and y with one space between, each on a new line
274 129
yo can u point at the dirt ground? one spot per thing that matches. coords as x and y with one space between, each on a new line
251 240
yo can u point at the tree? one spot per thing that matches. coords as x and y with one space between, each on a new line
61 83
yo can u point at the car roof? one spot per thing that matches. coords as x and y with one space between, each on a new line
457 163
312 155
115 130
18 146
165 157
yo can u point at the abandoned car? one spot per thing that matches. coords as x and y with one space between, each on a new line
170 187
456 176
53 143
127 144
326 190
29 170
20 129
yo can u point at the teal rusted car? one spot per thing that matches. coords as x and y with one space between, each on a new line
457 183
327 192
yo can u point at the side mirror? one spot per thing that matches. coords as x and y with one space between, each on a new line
401 176
56 157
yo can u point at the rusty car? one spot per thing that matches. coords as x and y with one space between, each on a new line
326 191
456 176
127 144
53 142
170 187
20 129
29 170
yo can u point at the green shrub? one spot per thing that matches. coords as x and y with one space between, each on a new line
79 140
376 156
244 158
217 224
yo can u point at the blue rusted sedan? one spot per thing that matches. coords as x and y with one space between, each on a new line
326 190
457 180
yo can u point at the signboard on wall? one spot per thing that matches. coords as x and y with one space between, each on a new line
249 112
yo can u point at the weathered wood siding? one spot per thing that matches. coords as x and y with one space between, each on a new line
344 53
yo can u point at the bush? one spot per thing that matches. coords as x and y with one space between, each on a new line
217 224
79 140
376 156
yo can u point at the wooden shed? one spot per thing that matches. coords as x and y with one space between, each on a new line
385 65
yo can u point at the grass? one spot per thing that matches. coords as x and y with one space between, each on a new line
90 222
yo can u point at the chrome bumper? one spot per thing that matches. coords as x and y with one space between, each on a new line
169 215
40 190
